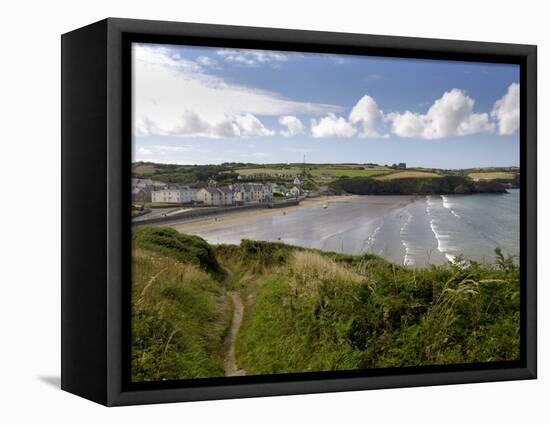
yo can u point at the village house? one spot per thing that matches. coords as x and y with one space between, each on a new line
142 189
242 193
176 195
262 176
257 192
295 192
252 192
215 196
267 192
209 196
226 195
140 195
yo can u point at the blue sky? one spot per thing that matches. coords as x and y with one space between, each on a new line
209 105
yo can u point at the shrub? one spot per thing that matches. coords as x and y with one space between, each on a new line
184 248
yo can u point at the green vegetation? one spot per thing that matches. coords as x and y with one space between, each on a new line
317 172
179 318
351 178
268 170
143 169
493 175
408 175
174 173
184 248
306 310
415 186
345 172
330 312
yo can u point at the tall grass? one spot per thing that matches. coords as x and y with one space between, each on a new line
307 310
330 312
179 319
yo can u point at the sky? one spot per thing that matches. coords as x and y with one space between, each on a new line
207 105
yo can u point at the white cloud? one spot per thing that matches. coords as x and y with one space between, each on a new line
144 151
252 126
252 57
207 61
450 115
367 113
506 111
178 97
293 124
191 125
332 126
163 57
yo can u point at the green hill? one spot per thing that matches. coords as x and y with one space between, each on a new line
306 310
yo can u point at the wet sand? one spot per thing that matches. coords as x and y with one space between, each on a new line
409 230
347 225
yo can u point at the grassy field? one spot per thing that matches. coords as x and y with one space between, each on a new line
345 172
316 171
143 169
268 170
408 174
491 176
307 310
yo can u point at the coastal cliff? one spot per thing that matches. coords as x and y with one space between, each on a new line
444 185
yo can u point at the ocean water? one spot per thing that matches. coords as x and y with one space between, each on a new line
413 231
436 229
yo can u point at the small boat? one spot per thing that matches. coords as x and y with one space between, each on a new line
325 205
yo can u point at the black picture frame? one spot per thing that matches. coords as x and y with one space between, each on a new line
96 152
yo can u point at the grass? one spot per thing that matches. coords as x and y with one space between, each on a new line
143 169
408 174
268 170
492 175
345 172
336 313
179 318
307 310
316 172
184 248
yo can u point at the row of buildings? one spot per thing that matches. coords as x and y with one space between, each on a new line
282 175
213 195
147 190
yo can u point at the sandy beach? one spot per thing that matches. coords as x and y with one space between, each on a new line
349 224
210 223
409 230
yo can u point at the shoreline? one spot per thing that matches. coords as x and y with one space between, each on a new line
208 223
409 230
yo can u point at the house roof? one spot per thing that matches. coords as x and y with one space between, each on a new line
211 190
225 189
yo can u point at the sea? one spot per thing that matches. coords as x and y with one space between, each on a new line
413 231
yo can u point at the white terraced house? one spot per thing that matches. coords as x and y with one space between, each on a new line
180 195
